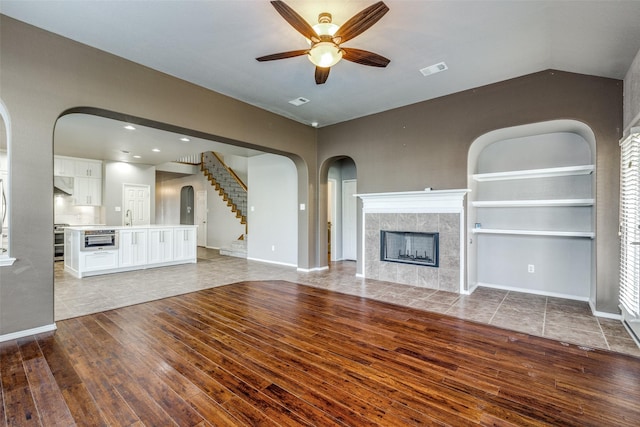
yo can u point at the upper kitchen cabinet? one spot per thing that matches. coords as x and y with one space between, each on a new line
88 168
64 166
87 192
87 179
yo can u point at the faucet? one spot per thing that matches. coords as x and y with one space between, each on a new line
127 218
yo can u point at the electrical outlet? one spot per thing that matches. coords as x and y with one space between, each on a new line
531 268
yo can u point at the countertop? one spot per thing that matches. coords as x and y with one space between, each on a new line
120 227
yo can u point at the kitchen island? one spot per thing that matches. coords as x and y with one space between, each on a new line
93 250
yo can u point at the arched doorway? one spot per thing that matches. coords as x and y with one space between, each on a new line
5 138
341 231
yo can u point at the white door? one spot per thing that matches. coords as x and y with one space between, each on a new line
136 202
332 217
349 219
201 217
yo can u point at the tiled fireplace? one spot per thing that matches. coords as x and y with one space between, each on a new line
439 213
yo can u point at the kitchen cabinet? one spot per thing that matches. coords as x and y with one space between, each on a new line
184 246
98 260
88 168
87 191
139 248
160 245
64 166
132 247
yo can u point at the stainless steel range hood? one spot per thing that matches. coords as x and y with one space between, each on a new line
63 185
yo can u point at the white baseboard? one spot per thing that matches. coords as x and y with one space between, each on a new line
27 332
532 291
272 262
603 314
309 270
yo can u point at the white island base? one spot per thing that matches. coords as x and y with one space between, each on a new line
139 248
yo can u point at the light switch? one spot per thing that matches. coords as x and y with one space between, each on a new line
302 206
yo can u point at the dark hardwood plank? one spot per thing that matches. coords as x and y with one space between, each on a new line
278 353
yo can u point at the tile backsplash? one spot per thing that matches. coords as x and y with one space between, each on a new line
65 212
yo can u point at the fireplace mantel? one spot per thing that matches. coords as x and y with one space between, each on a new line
438 211
415 201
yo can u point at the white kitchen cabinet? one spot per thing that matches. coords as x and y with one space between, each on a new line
88 168
64 166
132 247
138 248
185 245
87 191
160 245
98 260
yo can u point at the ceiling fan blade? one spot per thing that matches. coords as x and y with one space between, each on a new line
364 57
283 55
360 22
322 74
295 20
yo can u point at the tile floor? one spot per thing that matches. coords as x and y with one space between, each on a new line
561 319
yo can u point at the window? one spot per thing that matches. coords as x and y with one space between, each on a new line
629 227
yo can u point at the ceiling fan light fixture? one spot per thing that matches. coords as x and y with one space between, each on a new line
325 54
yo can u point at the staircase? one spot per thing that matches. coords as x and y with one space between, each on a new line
227 183
233 191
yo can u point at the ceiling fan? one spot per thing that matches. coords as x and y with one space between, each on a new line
326 39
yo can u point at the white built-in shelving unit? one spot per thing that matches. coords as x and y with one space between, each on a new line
534 174
531 210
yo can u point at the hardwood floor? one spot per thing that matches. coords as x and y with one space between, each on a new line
278 353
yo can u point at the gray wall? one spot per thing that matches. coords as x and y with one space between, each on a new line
273 207
632 94
426 145
115 175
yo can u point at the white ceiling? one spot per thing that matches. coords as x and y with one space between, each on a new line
214 43
94 137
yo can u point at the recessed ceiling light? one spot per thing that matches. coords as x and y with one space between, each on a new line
137 157
155 150
129 127
185 139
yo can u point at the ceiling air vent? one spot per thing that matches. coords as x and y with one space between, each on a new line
433 69
299 101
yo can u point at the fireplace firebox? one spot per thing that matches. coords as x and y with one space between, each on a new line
409 247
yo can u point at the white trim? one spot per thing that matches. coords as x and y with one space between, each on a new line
286 264
6 261
427 201
27 332
311 270
531 203
360 275
603 314
531 291
551 233
534 173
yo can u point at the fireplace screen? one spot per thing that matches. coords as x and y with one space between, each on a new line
409 247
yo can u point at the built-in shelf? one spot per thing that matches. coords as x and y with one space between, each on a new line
531 203
534 173
549 233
